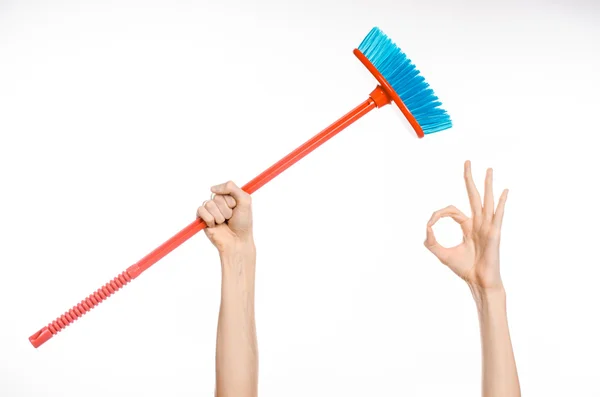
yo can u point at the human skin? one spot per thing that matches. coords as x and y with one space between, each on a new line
477 261
228 216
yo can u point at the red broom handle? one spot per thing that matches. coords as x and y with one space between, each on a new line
377 99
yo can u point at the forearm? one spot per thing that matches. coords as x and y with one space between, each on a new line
499 370
237 352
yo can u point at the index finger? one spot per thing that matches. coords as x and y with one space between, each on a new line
233 190
474 197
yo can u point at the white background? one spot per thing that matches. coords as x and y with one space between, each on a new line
116 118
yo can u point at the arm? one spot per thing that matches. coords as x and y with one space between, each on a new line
237 351
499 369
477 261
229 219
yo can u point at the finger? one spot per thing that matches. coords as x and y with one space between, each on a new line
215 212
205 216
449 211
223 207
230 201
488 196
240 196
474 197
499 215
452 212
434 247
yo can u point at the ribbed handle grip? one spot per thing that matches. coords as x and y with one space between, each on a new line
79 310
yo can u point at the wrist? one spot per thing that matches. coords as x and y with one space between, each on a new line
238 259
238 245
486 299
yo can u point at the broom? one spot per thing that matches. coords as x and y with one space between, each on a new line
399 82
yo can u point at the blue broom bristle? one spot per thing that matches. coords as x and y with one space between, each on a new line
406 80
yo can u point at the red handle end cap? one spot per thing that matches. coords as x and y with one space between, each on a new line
40 337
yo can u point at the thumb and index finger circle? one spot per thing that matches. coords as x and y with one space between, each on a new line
431 242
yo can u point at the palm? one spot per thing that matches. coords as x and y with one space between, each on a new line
238 225
476 259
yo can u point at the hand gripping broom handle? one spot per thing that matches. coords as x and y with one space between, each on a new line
377 98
